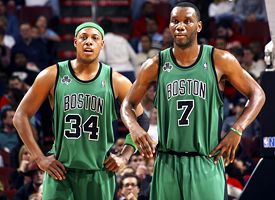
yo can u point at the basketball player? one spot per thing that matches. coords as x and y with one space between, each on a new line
189 77
82 94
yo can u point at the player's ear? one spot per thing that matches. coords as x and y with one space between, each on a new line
74 41
199 27
102 44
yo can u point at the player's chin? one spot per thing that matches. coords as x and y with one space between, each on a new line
87 59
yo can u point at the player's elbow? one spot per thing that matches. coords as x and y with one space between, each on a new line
17 118
261 96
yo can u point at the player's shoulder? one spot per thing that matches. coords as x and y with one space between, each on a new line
221 54
49 72
118 78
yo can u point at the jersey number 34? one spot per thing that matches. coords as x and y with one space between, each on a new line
90 126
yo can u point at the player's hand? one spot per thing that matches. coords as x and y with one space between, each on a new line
227 148
144 143
114 163
52 166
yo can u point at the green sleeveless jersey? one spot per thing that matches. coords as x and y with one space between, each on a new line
189 104
82 118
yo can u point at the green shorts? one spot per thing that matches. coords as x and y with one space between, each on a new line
80 185
188 178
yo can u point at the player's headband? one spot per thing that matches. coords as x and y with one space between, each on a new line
89 24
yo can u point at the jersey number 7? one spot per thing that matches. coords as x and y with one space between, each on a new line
187 106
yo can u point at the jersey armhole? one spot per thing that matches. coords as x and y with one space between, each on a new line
221 94
157 81
56 78
115 100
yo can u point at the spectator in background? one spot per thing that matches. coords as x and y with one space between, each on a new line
255 68
33 187
144 179
139 27
35 49
232 36
35 32
54 4
220 43
117 52
148 99
35 196
167 39
5 39
21 67
14 5
6 43
136 160
258 50
136 8
55 7
150 166
12 21
249 134
9 139
45 33
18 177
221 10
48 36
130 187
15 82
126 170
251 131
238 53
153 131
157 38
250 11
11 98
146 49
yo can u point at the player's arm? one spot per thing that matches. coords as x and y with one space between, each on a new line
121 87
227 65
147 74
41 88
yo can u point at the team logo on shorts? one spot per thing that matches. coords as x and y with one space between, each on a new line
66 80
167 67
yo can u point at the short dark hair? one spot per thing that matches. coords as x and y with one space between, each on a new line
130 175
188 4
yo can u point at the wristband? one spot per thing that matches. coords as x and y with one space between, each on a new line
236 131
129 141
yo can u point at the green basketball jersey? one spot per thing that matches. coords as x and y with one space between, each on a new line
189 103
82 118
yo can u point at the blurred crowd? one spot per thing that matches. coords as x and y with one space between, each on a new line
26 48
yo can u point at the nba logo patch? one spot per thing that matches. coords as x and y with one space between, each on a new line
205 65
103 83
167 67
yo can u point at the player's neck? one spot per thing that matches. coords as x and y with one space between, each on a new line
187 56
85 71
